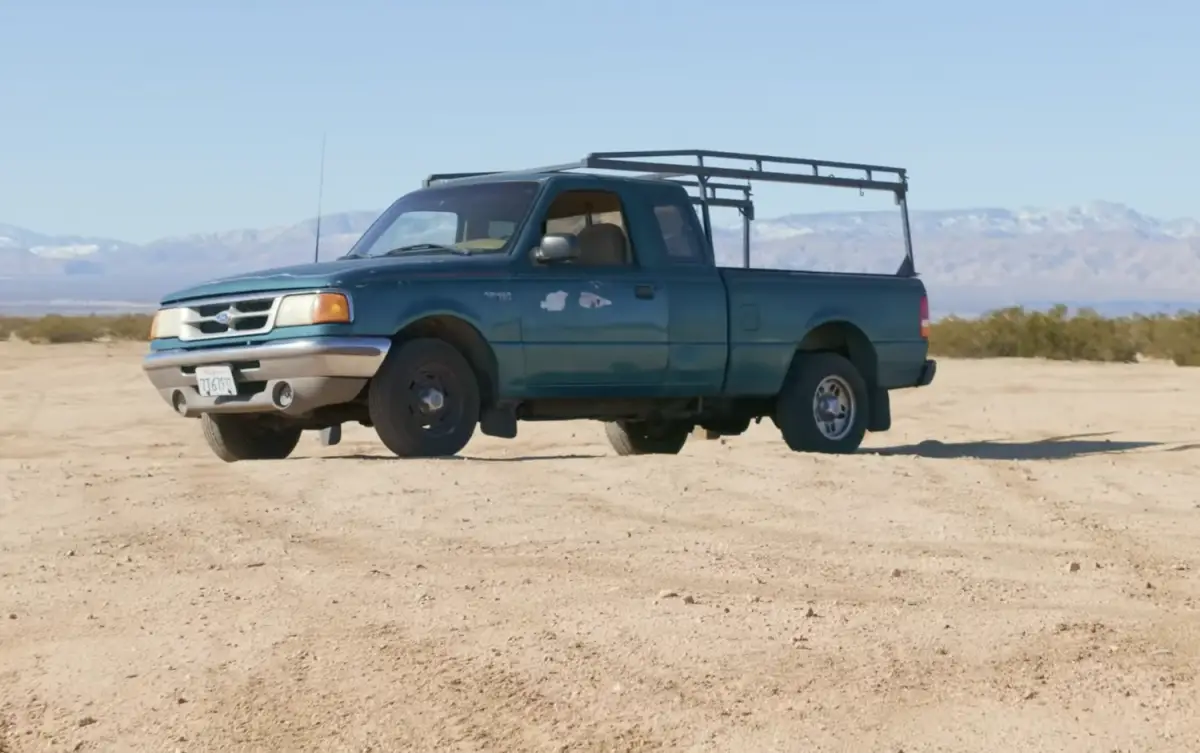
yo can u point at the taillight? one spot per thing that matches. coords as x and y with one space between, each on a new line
925 317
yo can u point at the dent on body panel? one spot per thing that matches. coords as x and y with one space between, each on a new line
593 295
558 300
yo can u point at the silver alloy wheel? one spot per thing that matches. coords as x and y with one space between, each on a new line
833 407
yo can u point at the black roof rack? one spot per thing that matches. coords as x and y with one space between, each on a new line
699 176
765 167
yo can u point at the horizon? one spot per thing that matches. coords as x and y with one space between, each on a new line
1077 205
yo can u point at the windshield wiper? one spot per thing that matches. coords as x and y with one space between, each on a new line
425 247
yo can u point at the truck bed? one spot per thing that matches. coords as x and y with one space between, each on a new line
770 309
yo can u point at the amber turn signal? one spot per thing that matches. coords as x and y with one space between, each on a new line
331 308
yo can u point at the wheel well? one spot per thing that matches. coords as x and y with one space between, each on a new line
849 341
467 340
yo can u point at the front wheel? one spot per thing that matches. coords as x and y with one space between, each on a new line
424 401
823 405
646 438
234 437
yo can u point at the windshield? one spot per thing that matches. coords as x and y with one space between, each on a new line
479 218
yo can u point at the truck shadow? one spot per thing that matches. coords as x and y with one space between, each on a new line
1052 448
471 458
1184 447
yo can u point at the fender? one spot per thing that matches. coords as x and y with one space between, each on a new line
463 331
831 315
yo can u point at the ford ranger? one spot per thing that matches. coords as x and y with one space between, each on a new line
568 292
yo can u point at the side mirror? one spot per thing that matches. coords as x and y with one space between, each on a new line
557 247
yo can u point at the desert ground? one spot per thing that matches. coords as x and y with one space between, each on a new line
1014 567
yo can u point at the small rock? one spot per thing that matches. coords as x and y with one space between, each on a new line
1073 567
1030 695
689 599
895 572
810 612
12 615
87 721
668 594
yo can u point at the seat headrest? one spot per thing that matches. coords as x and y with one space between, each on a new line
603 244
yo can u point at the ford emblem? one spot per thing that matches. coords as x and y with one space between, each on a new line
224 316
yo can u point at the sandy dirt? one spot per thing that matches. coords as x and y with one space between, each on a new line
1013 568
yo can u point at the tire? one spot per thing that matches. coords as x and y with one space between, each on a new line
642 438
234 437
403 404
798 413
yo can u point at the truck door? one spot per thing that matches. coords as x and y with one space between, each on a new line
595 326
698 330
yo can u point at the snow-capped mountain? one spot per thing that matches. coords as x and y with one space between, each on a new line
970 258
1099 216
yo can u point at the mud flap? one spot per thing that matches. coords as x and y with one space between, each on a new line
331 435
499 421
880 410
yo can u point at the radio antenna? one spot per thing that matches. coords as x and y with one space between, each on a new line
320 197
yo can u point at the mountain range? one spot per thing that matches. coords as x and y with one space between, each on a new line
1102 254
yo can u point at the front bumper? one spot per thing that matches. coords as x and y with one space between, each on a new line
319 371
928 371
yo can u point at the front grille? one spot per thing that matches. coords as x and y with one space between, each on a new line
227 317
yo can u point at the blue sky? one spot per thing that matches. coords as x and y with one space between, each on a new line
142 118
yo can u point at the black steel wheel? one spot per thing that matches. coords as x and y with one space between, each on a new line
424 402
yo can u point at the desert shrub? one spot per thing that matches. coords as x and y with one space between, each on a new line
1010 332
128 327
1056 334
9 326
57 328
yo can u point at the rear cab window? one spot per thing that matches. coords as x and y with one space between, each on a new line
677 228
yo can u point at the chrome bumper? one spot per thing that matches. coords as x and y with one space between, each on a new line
319 371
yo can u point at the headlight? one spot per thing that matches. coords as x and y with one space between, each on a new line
313 308
167 323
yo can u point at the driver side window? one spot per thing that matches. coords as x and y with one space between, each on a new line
597 220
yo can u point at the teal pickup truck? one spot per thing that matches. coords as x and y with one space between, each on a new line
557 293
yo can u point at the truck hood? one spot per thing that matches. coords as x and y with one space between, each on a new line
337 273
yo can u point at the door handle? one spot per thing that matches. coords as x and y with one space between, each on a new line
644 291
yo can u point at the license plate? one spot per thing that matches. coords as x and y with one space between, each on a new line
215 381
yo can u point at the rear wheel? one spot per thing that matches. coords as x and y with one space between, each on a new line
234 437
823 405
647 437
424 402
